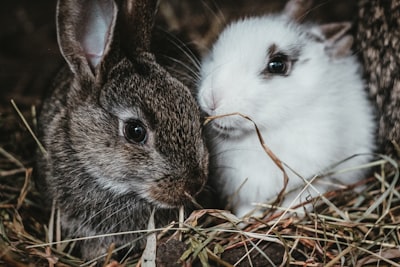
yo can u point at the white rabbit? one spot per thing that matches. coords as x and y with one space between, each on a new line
304 91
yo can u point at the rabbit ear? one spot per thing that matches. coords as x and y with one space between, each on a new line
85 30
297 9
136 23
336 38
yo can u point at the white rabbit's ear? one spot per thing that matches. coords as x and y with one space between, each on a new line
335 36
85 30
297 9
337 40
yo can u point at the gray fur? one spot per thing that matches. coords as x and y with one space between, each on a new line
101 183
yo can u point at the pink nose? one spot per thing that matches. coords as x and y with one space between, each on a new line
211 102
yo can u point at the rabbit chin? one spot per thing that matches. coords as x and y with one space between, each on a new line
230 127
120 189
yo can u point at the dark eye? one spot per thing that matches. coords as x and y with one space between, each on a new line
278 65
135 132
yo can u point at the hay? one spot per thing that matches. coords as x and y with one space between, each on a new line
351 229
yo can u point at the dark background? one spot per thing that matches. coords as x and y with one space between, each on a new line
28 49
29 55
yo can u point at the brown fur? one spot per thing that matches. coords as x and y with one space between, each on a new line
378 42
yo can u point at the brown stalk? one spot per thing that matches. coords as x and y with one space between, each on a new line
267 150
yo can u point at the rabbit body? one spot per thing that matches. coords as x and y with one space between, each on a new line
123 137
307 101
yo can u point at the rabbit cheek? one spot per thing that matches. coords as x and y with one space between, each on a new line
168 193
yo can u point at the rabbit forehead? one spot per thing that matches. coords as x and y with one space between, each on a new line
163 102
250 39
151 91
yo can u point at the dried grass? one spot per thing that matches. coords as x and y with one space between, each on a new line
344 229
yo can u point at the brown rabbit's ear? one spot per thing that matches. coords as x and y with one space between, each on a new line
297 9
136 24
337 40
85 30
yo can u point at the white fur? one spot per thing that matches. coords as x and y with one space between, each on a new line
96 33
311 119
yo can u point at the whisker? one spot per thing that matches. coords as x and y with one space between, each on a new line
186 66
219 16
220 153
99 224
311 9
183 47
111 229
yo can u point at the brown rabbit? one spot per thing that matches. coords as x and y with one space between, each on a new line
122 135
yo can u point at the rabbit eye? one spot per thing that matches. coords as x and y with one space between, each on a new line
278 64
135 131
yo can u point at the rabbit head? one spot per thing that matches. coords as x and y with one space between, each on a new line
132 126
274 70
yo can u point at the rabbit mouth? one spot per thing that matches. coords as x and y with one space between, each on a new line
222 128
226 130
172 194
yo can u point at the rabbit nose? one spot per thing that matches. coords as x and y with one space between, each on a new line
211 102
